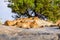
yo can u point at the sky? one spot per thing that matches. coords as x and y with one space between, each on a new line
5 12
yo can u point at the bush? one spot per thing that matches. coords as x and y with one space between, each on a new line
49 8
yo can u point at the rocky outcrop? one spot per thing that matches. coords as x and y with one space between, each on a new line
13 33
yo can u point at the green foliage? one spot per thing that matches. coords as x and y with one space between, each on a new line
21 6
49 8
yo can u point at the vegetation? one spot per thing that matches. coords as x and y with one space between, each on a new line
49 8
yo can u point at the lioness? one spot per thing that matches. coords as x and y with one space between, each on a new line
10 23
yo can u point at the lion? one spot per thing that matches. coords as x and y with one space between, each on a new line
10 23
18 24
34 25
23 25
58 23
32 22
26 25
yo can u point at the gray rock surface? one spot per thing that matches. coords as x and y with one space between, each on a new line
13 33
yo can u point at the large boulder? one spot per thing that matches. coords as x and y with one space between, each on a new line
14 33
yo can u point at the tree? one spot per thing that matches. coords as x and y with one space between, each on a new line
48 8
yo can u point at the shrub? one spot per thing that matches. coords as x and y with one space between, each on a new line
49 8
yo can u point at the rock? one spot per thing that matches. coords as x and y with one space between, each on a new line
29 37
9 33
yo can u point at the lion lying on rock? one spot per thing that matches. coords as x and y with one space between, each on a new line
32 22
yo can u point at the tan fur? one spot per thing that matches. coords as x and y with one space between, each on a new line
23 22
9 23
18 24
26 25
32 22
58 23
